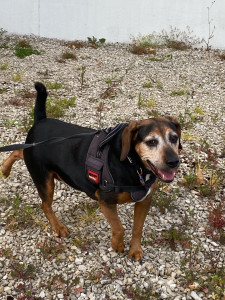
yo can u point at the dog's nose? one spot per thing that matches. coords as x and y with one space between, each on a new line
172 162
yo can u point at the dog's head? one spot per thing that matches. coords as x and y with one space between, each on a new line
157 142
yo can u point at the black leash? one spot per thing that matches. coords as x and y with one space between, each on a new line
54 140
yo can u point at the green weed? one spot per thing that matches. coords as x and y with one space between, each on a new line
54 85
96 43
2 91
147 84
17 77
198 110
51 248
23 271
25 50
4 66
76 44
178 93
164 200
139 294
68 55
56 107
176 236
153 58
81 79
208 277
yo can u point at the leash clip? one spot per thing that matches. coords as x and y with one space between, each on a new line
141 177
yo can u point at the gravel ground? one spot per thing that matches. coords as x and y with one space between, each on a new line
184 247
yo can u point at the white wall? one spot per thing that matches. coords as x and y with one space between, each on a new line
115 20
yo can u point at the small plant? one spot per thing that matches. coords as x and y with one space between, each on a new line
209 277
139 50
100 108
56 107
153 113
111 90
164 200
179 40
76 44
210 31
153 58
89 212
139 294
140 101
151 103
23 44
147 84
197 180
215 229
82 70
81 241
177 93
21 215
188 118
176 236
2 33
198 110
66 284
145 44
2 91
24 49
54 85
51 248
4 66
68 55
17 77
23 271
96 43
222 56
159 85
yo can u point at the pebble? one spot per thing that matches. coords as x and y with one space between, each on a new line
195 296
7 290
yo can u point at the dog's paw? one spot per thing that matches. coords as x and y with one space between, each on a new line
5 170
117 244
61 230
136 253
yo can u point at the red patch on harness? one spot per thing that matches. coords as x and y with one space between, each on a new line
93 176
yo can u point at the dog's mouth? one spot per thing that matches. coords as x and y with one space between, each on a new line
163 175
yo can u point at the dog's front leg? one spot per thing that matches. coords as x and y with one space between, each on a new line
110 212
141 210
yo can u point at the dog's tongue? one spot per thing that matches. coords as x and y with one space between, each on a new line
166 175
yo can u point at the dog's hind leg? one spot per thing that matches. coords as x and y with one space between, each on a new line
7 164
46 192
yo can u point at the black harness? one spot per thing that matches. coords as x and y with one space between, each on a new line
98 171
97 167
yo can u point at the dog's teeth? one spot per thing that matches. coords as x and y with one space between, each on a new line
163 176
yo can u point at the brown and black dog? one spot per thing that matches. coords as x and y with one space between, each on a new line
154 144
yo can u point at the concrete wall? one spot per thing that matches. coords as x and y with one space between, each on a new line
115 20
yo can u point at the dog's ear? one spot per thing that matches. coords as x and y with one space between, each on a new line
178 127
127 136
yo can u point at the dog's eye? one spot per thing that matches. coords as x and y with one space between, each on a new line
152 143
173 139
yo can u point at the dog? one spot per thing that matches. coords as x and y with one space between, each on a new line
138 151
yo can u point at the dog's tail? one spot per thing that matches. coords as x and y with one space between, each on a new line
40 104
